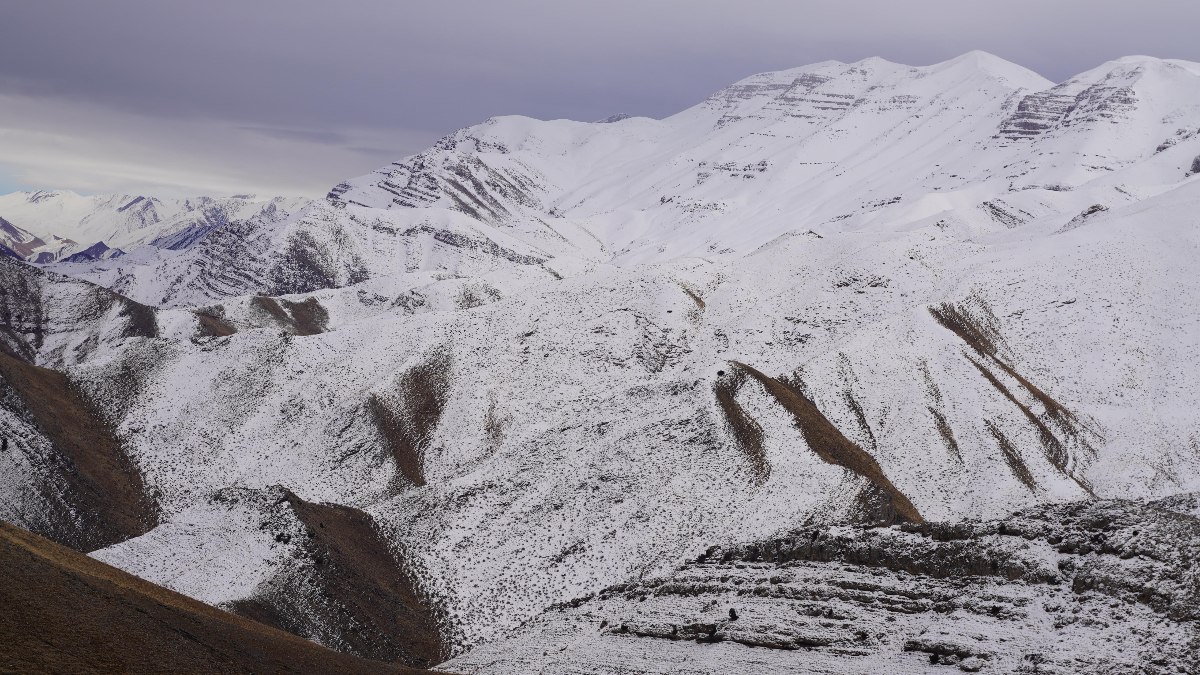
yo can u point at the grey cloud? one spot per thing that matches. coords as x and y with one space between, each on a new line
306 135
92 148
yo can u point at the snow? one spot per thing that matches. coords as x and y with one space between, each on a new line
588 281
217 552
121 221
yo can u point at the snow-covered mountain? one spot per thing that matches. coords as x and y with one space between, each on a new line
550 362
47 226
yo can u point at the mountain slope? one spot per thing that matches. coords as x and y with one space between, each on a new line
590 406
18 241
1061 589
48 226
321 248
68 613
321 571
543 359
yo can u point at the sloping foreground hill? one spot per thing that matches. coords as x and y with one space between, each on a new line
65 612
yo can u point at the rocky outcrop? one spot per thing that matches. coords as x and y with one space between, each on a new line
1102 586
1036 114
451 175
309 264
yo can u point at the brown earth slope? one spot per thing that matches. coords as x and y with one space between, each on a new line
95 493
883 502
348 591
65 612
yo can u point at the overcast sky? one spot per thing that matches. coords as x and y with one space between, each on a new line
291 96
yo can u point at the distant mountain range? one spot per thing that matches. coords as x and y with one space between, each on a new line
847 368
61 226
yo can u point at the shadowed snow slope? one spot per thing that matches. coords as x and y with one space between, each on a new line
545 358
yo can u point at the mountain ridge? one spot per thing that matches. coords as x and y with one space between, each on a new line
63 222
547 359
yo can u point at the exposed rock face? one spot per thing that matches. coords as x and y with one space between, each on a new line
614 118
1108 586
1037 113
1101 96
453 174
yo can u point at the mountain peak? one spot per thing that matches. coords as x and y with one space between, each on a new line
1133 67
874 62
985 62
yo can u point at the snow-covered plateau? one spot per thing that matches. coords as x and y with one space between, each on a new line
848 368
